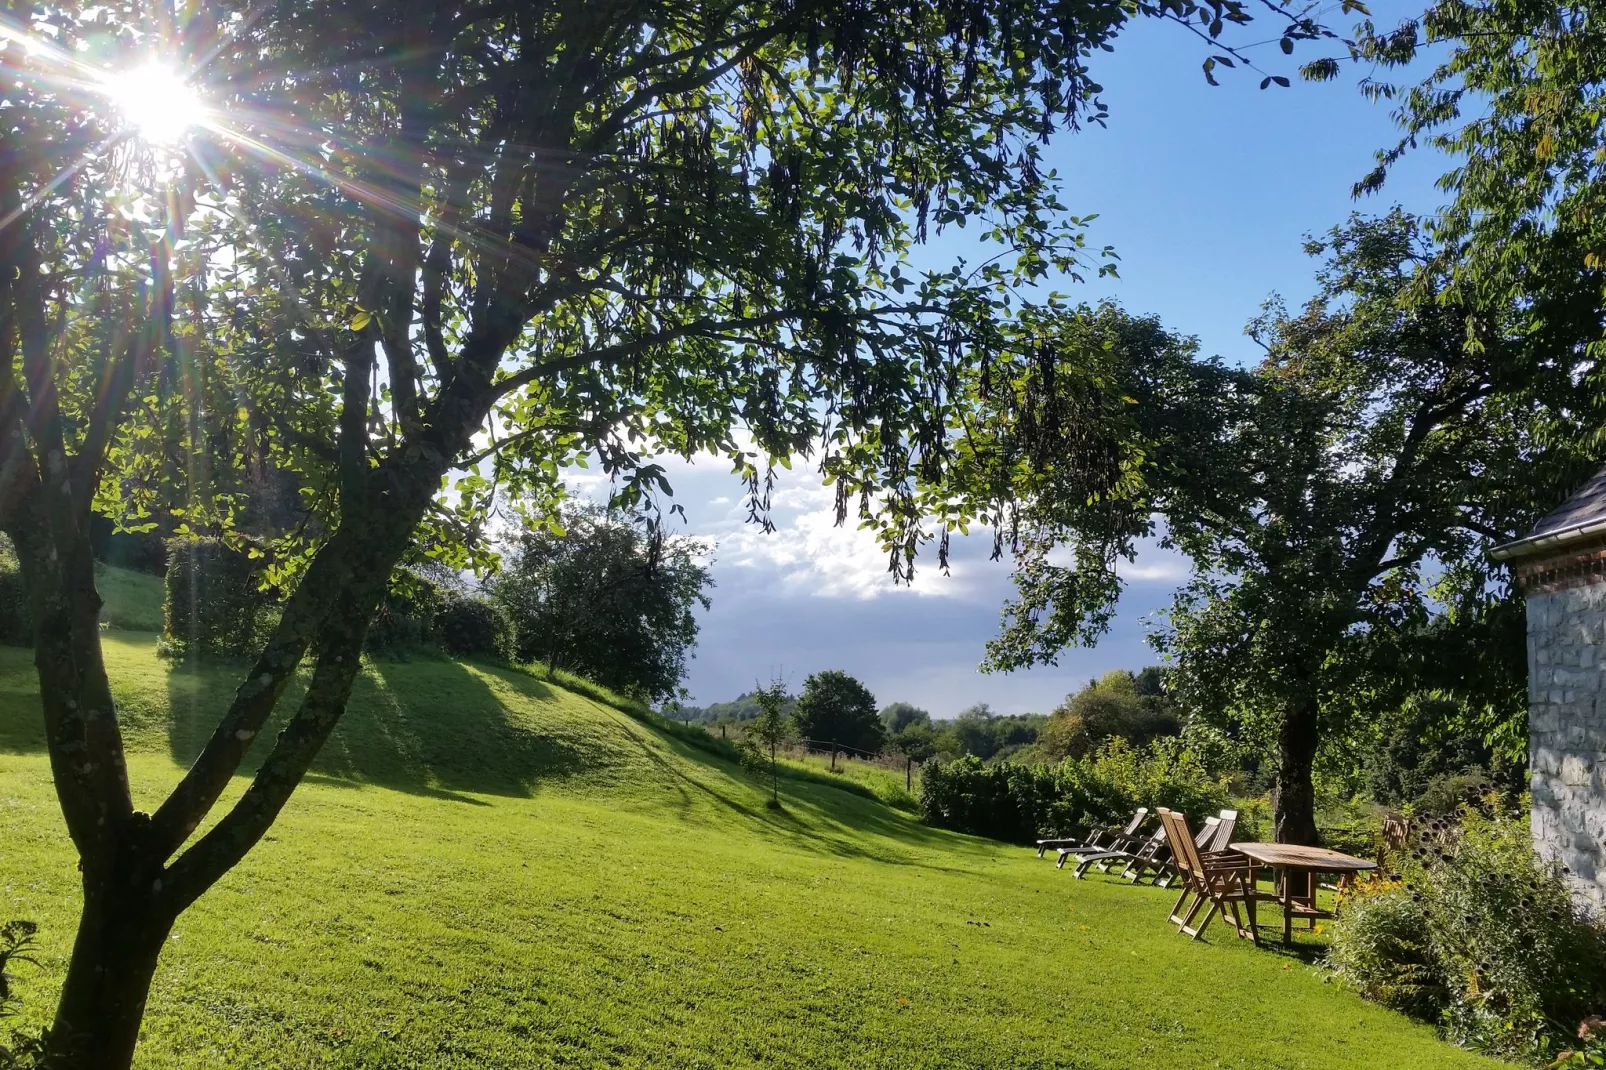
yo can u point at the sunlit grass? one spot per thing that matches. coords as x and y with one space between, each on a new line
490 871
884 783
133 600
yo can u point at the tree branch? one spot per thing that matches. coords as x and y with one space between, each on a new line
254 700
625 350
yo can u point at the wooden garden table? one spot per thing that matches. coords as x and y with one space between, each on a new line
1291 862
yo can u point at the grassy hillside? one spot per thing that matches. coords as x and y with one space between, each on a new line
488 871
133 600
884 783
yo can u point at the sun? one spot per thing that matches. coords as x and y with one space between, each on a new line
155 102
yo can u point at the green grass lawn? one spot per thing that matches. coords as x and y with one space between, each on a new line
489 871
133 600
884 783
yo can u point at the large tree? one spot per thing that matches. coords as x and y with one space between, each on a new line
1512 95
836 710
597 596
899 715
1119 703
407 240
1334 499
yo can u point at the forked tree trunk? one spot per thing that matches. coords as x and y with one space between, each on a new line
132 894
1295 793
120 937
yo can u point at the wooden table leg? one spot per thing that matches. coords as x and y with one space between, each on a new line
1288 907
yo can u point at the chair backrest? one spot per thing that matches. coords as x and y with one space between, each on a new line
1204 836
1183 851
1156 841
1139 815
1227 825
1396 833
1165 828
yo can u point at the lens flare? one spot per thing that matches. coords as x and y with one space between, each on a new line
156 103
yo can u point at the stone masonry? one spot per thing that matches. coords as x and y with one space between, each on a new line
1567 730
1561 568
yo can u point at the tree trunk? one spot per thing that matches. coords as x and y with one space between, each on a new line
908 773
131 895
1295 793
120 937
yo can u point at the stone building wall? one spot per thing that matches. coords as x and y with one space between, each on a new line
1567 718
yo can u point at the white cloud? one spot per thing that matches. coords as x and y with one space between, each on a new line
807 553
1155 564
811 596
811 554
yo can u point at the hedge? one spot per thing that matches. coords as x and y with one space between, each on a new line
1019 803
15 628
214 602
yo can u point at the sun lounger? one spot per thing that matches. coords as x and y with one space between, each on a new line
1151 846
1099 840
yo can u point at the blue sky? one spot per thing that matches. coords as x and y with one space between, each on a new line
1206 194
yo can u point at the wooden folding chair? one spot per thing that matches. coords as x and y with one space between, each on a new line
1160 863
1212 839
1225 880
1106 839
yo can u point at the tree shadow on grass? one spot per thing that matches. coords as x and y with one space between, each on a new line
430 726
22 722
822 807
1268 924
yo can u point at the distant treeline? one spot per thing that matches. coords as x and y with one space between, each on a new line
1131 705
743 707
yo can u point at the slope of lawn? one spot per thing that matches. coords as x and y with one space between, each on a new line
132 601
489 871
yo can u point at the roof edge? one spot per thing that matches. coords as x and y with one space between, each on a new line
1550 540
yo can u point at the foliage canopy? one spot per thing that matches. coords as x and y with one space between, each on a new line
837 710
599 597
414 248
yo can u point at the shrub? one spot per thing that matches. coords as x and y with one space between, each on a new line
1447 793
1166 773
1383 950
139 551
470 627
1480 936
405 620
1019 803
214 603
15 627
17 945
1591 1048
